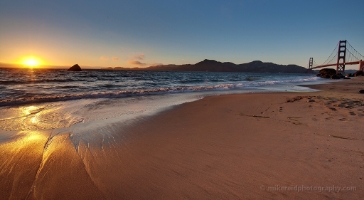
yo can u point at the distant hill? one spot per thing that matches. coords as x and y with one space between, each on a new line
216 66
8 65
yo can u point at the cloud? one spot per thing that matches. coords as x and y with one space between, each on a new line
137 60
137 63
104 58
138 56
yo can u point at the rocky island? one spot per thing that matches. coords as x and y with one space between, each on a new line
75 67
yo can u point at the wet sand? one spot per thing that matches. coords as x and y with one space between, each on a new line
244 146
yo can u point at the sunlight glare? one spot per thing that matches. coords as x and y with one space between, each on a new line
31 62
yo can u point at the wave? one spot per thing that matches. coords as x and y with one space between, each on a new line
15 82
191 81
39 98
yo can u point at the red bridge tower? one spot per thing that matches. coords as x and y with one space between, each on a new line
341 55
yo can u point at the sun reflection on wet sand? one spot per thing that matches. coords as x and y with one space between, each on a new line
47 145
20 140
33 163
33 137
21 155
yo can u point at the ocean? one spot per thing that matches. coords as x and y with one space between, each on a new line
96 100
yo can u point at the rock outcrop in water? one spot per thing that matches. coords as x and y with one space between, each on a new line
358 73
327 73
331 73
75 67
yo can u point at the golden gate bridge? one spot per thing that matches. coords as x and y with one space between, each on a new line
343 54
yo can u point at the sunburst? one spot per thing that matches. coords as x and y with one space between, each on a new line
31 62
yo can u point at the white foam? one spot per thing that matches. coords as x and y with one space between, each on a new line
84 118
104 116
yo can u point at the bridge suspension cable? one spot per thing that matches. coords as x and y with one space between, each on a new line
354 53
314 64
350 56
332 56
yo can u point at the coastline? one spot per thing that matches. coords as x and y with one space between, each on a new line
234 146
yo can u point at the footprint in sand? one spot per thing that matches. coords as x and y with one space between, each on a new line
294 120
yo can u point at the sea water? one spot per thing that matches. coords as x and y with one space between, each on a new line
100 101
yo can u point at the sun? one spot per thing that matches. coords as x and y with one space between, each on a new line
31 62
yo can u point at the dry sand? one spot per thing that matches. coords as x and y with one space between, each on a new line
246 146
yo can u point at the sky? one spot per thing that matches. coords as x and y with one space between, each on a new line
141 33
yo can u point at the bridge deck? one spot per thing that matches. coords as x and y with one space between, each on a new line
334 64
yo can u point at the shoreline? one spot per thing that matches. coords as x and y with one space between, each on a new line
235 146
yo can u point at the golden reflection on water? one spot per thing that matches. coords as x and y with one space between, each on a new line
34 117
21 118
32 110
34 120
29 110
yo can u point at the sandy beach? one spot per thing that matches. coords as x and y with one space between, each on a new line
242 146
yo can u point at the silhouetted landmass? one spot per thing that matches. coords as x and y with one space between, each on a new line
8 65
124 68
216 66
75 67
